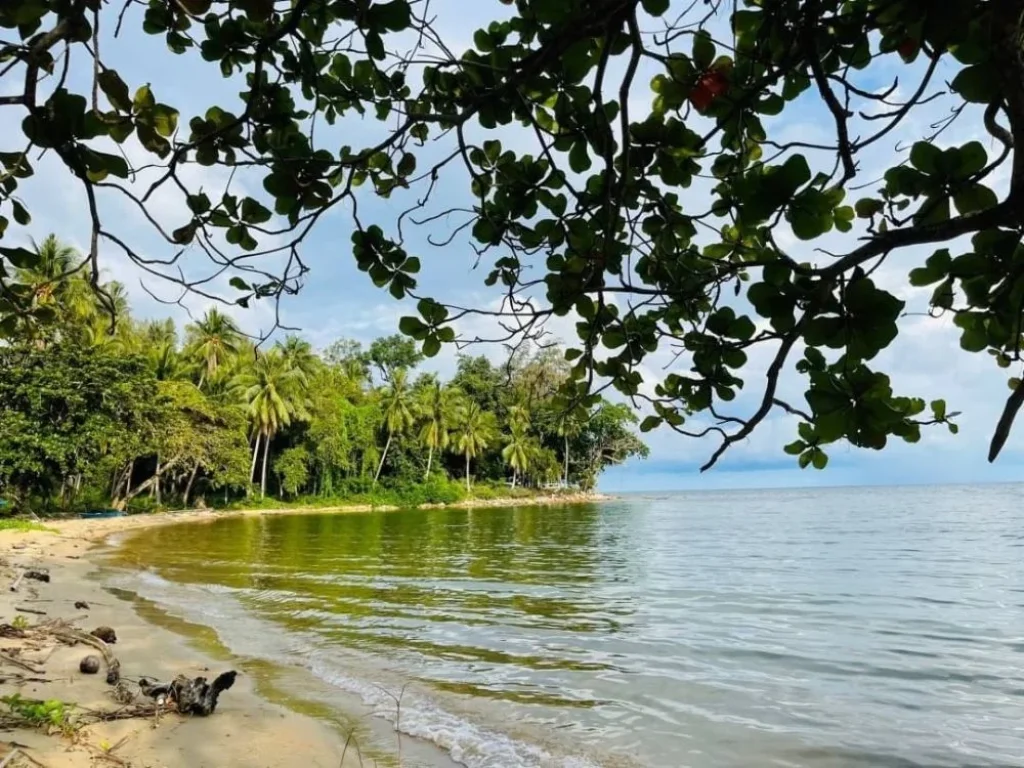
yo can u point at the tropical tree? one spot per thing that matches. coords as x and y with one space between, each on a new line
274 393
474 431
398 412
211 341
298 353
569 426
436 407
518 449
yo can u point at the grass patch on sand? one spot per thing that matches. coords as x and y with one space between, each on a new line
16 524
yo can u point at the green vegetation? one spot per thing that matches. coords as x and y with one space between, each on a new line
628 162
18 524
95 415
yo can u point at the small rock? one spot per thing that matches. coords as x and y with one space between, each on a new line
106 634
90 664
81 605
38 576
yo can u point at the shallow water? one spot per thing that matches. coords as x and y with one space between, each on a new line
825 628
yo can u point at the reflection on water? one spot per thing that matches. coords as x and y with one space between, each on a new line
818 629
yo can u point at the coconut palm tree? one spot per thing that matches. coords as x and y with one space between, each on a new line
275 394
211 341
518 450
474 431
299 354
436 407
398 412
569 426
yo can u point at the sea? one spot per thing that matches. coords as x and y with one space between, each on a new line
824 628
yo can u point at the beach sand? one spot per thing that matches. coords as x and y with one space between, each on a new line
246 730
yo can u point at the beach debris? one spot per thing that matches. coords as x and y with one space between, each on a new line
29 610
62 630
190 697
106 634
81 605
122 693
89 665
11 631
29 574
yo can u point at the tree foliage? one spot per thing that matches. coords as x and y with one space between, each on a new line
140 418
616 160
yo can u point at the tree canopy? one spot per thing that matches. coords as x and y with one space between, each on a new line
622 162
135 417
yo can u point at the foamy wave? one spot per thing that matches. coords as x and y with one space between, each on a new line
422 716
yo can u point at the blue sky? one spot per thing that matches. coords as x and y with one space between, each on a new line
337 300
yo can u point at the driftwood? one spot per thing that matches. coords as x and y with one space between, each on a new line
19 663
17 581
29 610
70 634
190 697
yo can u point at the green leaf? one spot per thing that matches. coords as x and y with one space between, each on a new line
819 458
579 160
703 49
795 448
254 212
21 215
431 346
240 284
805 459
867 207
939 409
925 157
411 326
655 7
974 198
22 258
649 423
115 90
165 119
977 83
144 100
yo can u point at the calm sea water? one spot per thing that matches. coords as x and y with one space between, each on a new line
824 628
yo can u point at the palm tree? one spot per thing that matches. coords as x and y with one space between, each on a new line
568 427
398 413
275 394
474 430
299 354
211 341
436 406
517 451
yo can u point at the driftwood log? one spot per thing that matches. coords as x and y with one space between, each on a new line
190 697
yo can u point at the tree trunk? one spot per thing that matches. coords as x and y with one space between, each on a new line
156 486
255 454
188 487
514 478
468 489
430 459
263 480
383 456
565 480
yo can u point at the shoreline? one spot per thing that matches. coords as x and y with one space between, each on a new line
246 722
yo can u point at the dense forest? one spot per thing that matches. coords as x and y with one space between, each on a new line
98 408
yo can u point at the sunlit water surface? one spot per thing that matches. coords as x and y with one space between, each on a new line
825 628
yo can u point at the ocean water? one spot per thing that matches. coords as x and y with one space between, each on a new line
814 629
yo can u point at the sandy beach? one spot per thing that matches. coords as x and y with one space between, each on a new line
245 730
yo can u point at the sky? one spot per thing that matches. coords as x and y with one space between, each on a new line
337 300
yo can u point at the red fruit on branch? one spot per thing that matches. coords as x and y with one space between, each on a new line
709 87
908 48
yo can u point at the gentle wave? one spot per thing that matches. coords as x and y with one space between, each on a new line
813 629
